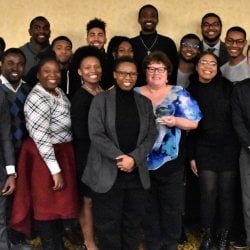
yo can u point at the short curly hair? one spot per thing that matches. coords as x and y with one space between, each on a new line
158 57
96 23
86 51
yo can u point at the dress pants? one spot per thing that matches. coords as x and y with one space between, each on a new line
245 189
118 216
163 220
4 244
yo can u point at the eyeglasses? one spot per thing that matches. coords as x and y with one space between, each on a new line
231 41
206 62
124 74
212 25
190 45
159 69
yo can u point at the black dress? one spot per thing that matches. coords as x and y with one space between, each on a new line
213 144
80 105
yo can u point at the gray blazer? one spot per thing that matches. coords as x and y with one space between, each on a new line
101 170
6 146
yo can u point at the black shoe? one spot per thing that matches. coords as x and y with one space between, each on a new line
223 242
240 245
74 235
21 246
206 242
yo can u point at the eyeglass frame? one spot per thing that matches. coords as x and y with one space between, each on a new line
213 25
238 42
159 70
124 74
204 62
190 45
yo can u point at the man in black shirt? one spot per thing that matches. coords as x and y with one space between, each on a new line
149 40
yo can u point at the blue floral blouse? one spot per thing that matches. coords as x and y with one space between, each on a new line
180 104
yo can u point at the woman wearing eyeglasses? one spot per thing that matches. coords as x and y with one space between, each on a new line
214 149
122 132
175 111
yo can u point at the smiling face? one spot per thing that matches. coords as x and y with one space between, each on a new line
124 49
13 68
207 68
49 75
40 31
148 20
211 29
96 37
189 49
63 51
156 74
126 75
90 70
235 42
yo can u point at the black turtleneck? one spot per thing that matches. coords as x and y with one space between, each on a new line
127 130
127 120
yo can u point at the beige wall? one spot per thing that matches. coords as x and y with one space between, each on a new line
69 17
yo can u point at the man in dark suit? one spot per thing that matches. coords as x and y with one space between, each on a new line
211 26
7 167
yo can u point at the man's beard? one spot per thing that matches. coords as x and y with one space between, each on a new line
43 42
211 41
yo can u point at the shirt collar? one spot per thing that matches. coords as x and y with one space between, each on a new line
216 47
7 84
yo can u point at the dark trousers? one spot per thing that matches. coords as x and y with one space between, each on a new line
51 234
3 213
117 218
217 186
245 187
163 220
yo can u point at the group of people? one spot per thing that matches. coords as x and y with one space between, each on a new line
105 138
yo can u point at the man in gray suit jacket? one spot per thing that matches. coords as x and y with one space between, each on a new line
7 168
122 132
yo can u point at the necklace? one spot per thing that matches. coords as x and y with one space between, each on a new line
94 91
152 45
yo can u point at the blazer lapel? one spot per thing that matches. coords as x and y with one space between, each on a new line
110 110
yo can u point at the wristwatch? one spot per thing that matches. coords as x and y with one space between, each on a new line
13 174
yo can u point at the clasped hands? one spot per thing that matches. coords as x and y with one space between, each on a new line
125 163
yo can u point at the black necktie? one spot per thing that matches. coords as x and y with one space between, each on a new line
211 50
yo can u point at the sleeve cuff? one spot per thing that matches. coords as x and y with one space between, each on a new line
53 167
10 169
